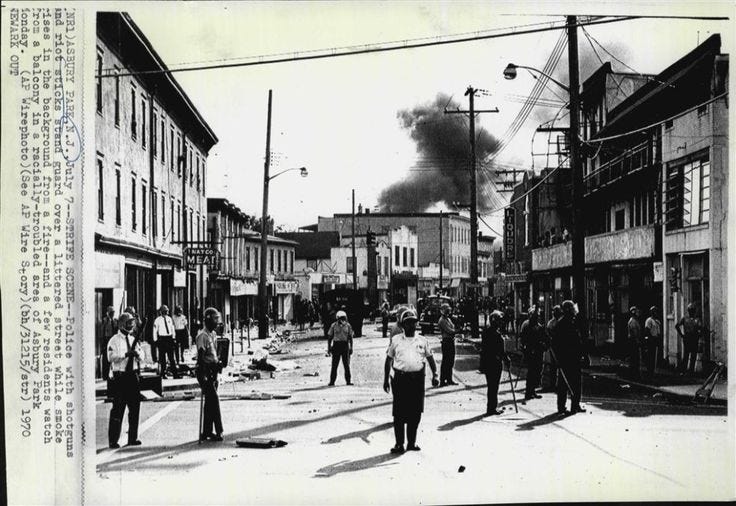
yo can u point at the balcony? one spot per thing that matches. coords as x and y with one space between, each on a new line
631 161
621 245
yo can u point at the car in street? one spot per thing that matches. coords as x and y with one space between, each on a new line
431 312
394 310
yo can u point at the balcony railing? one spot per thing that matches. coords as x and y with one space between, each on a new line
632 160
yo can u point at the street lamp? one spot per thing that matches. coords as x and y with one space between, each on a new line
510 73
263 286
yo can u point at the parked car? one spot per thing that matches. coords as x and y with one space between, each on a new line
431 313
394 311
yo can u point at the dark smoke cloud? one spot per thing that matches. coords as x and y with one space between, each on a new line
441 174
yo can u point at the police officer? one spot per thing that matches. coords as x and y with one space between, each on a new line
163 335
492 357
123 353
208 367
567 349
532 340
340 346
447 329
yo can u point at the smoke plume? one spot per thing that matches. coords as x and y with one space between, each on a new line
441 174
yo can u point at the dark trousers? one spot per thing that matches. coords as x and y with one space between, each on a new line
572 373
212 417
384 326
493 379
166 350
412 426
340 350
182 343
533 373
635 358
689 356
126 393
448 361
653 351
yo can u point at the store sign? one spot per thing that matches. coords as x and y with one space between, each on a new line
285 287
180 278
382 283
509 234
202 256
658 272
330 279
517 278
238 287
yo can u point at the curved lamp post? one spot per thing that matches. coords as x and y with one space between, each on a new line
510 73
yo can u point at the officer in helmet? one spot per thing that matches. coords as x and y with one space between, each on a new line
567 347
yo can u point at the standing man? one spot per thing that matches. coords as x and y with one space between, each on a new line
163 336
551 363
340 346
567 348
123 353
208 367
635 338
385 309
447 329
492 357
406 355
532 342
181 329
689 328
653 338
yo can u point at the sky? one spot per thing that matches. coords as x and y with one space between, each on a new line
354 121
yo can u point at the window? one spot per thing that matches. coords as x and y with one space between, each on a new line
620 219
405 256
179 220
190 168
668 124
163 215
163 141
411 257
702 110
143 122
378 265
171 162
291 255
191 224
271 261
396 256
247 258
279 261
154 212
98 91
133 217
688 192
100 191
118 217
197 172
199 227
179 155
256 257
117 97
385 266
173 220
349 265
153 133
144 229
204 175
133 123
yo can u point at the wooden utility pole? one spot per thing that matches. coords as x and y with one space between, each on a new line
442 254
355 266
262 286
470 93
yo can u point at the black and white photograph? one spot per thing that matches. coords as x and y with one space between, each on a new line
423 252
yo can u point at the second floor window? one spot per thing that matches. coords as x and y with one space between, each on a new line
117 97
100 191
271 260
133 122
144 196
118 217
397 256
349 265
143 122
411 257
98 90
405 257
688 192
133 217
279 261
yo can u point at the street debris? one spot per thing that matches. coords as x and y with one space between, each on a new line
461 469
625 385
314 374
256 442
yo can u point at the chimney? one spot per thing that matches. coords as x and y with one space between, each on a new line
367 211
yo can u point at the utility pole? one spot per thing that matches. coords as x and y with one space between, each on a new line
578 238
470 93
355 267
262 286
442 254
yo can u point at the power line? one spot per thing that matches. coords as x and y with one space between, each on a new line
364 49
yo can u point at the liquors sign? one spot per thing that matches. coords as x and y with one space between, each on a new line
509 234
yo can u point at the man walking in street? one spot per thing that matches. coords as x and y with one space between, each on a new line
208 367
447 329
340 346
385 310
406 355
567 348
550 363
689 328
635 341
653 339
163 336
181 329
531 335
492 357
123 353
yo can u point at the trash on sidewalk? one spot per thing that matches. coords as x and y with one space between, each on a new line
314 374
257 442
461 469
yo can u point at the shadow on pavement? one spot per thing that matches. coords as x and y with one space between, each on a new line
459 423
311 389
362 434
551 418
350 466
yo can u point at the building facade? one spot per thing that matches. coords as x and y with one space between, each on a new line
151 166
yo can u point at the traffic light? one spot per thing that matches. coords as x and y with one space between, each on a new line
370 239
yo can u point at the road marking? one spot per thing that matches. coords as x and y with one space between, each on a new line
150 422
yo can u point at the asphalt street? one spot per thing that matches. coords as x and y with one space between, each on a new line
630 444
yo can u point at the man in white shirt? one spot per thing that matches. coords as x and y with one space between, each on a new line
123 352
653 337
181 330
406 355
163 337
208 367
340 346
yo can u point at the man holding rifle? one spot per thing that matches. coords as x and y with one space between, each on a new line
123 353
567 350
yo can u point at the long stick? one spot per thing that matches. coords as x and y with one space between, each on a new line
513 393
562 371
201 410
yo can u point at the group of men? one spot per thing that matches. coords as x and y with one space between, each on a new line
124 353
